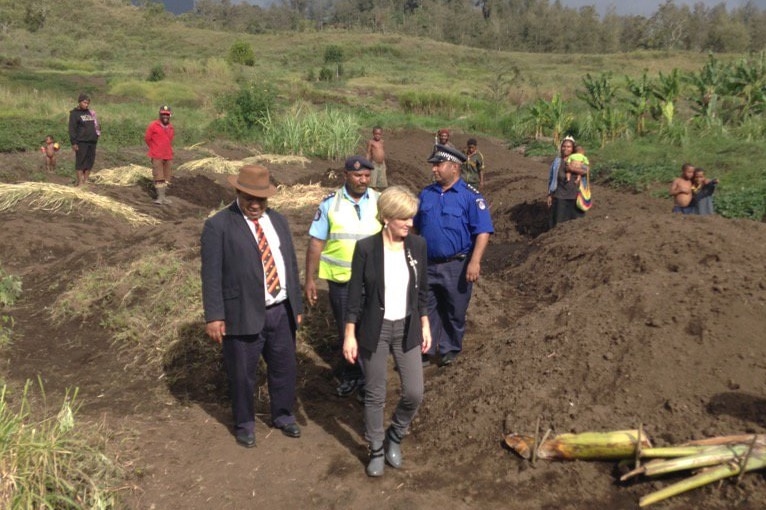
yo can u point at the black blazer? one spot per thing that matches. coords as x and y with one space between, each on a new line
232 272
366 290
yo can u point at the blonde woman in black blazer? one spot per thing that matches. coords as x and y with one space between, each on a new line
387 311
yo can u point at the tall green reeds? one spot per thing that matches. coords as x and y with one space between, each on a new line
304 131
47 462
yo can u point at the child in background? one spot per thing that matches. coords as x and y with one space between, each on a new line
702 192
578 156
376 153
49 151
473 168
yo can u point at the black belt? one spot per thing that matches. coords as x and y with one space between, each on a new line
442 260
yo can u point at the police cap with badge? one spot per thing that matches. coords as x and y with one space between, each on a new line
356 163
446 153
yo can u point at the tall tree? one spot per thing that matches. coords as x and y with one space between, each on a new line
667 27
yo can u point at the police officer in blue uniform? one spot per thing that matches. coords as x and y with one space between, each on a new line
454 219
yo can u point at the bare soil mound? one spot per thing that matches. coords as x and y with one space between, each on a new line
629 316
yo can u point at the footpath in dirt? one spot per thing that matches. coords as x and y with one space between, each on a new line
629 316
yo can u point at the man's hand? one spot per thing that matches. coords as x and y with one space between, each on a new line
216 330
472 271
311 291
75 147
549 201
313 253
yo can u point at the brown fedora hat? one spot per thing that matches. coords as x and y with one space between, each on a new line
253 180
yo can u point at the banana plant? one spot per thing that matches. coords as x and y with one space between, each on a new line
708 85
747 84
667 90
599 91
558 119
639 105
538 114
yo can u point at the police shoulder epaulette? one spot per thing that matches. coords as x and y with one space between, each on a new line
329 196
470 187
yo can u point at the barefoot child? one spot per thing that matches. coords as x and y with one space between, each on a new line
578 156
49 151
376 153
681 191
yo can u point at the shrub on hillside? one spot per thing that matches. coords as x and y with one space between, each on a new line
156 73
326 74
333 54
244 111
241 52
10 62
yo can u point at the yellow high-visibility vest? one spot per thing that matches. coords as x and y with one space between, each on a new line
346 228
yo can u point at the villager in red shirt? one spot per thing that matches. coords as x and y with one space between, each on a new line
159 138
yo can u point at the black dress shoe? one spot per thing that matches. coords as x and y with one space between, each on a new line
246 440
291 430
448 359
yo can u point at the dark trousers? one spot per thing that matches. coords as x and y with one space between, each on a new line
448 297
564 209
684 210
338 299
241 355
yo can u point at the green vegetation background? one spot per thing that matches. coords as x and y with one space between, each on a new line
317 92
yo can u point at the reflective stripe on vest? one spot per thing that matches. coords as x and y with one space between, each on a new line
345 230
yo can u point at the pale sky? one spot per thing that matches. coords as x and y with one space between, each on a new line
648 7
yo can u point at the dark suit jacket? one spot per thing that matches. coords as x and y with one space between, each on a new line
232 272
366 290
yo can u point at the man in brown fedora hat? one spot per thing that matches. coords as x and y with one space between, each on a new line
251 295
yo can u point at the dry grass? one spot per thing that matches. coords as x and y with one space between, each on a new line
146 303
298 196
277 159
123 175
221 165
56 198
215 164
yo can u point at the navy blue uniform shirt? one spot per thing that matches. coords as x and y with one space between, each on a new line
450 220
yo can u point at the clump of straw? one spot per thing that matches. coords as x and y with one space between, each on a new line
215 164
298 196
278 159
55 198
219 165
123 175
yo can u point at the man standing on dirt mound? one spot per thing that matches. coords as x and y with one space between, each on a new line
344 216
159 138
252 300
454 219
84 131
